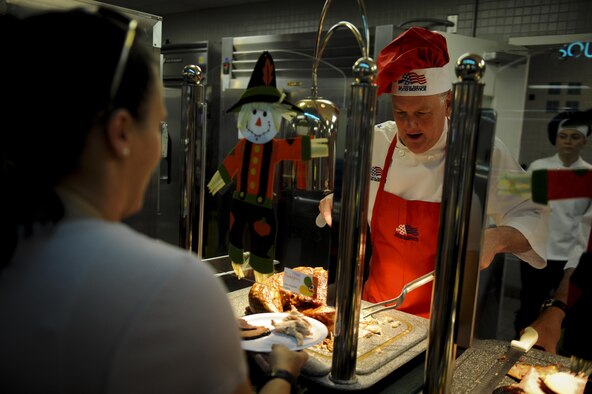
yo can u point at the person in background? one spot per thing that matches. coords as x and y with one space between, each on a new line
562 324
568 132
407 172
88 305
562 320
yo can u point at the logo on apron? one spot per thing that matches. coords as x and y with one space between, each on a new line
407 232
375 173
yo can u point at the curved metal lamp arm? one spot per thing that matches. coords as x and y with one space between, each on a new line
315 65
328 36
352 28
365 28
364 43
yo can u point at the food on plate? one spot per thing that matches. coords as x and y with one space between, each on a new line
547 381
269 296
249 331
245 325
255 333
295 325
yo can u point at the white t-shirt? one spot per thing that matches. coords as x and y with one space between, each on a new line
566 215
95 307
420 177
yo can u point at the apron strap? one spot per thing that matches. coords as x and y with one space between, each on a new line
387 163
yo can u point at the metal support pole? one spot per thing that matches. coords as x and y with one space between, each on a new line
193 135
454 222
353 221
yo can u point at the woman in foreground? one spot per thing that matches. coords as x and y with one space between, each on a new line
86 303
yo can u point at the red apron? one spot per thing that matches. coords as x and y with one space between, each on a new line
404 243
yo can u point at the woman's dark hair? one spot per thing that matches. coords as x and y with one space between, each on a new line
575 119
58 79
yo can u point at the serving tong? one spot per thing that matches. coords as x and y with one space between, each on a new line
397 301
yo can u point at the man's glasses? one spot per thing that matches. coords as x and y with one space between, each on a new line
132 26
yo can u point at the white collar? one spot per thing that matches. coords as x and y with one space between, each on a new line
578 163
435 152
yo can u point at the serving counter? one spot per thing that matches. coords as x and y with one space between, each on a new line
395 362
402 338
472 364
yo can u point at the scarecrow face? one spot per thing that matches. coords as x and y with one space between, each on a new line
259 127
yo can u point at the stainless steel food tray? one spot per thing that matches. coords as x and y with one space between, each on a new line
378 355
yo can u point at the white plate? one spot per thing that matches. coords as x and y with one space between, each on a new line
263 344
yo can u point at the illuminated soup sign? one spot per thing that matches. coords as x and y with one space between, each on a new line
576 49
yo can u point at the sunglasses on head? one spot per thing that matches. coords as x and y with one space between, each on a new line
131 29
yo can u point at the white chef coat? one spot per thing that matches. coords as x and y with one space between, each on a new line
566 215
420 177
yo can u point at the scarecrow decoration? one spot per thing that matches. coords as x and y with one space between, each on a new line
251 163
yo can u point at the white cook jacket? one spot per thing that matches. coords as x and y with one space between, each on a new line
566 215
420 177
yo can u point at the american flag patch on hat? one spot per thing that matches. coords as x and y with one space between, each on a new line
412 78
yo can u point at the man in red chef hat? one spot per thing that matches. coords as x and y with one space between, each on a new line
407 172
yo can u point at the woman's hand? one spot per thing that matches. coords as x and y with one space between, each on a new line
283 358
280 358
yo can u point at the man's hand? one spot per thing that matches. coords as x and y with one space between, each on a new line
502 239
548 325
318 147
216 183
325 209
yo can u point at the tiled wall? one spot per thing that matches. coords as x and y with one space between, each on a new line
520 18
495 19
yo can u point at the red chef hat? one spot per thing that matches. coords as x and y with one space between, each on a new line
413 64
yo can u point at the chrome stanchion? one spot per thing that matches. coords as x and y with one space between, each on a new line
353 221
354 198
193 139
455 214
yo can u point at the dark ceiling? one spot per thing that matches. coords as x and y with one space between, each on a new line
167 7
